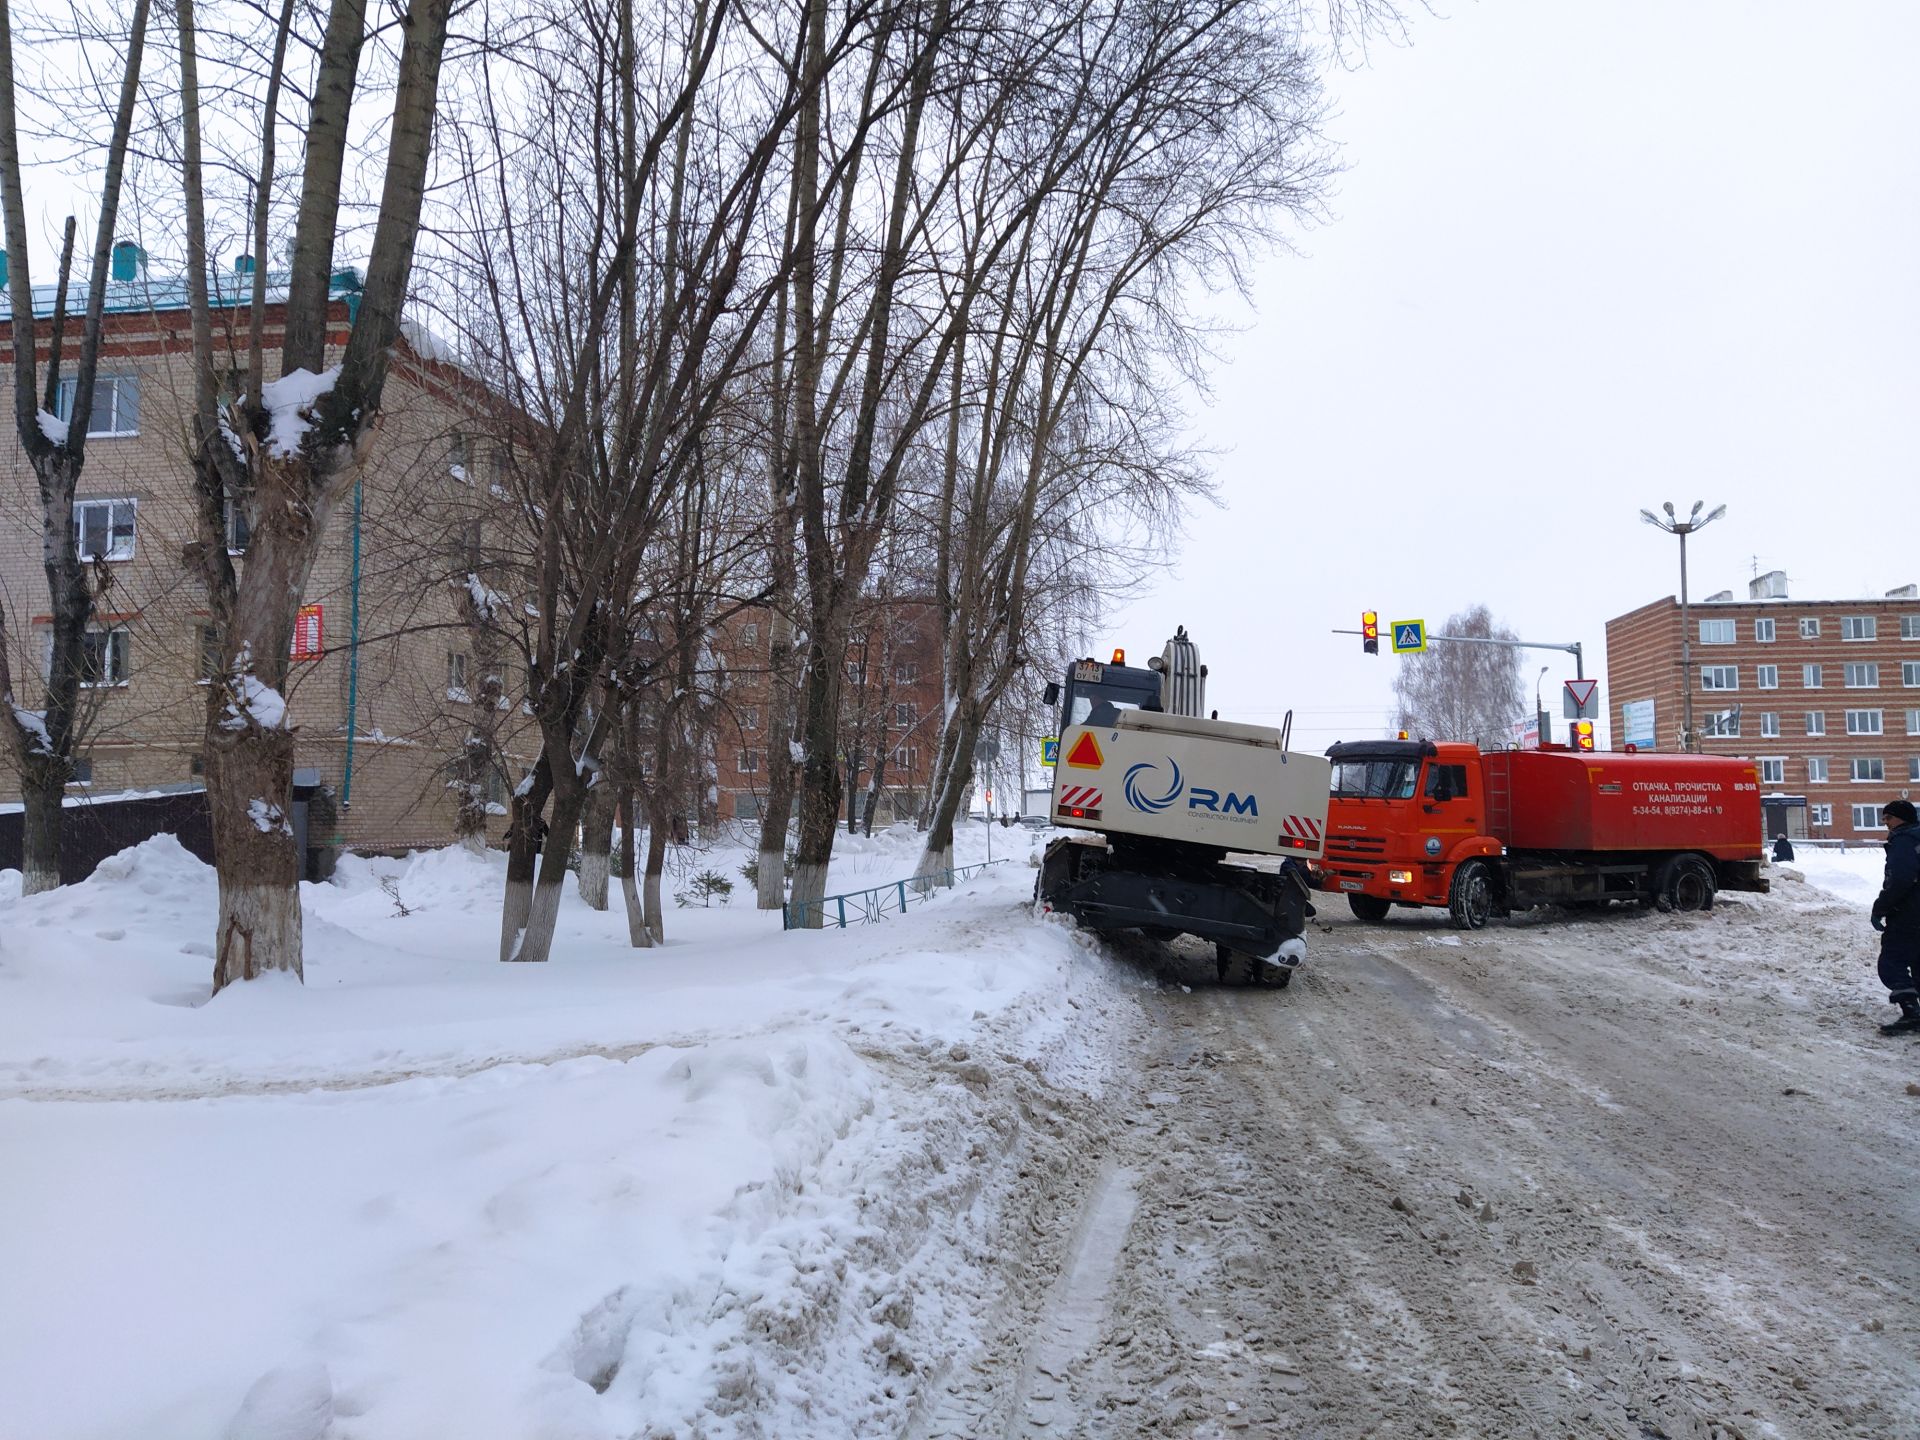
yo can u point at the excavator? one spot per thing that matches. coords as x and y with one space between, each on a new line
1181 823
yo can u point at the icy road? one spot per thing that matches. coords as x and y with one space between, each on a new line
1629 1175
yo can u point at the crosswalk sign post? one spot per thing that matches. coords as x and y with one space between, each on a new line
1409 636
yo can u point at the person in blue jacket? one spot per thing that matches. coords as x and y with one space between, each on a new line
1896 914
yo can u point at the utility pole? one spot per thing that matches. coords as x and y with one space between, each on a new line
1673 525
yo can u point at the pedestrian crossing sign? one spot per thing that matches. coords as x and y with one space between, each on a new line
1050 750
1409 636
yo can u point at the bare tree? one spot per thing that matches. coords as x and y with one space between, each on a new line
1462 691
43 741
289 450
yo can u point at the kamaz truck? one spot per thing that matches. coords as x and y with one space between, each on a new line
1443 824
1185 824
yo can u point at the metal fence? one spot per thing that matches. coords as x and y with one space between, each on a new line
864 907
91 830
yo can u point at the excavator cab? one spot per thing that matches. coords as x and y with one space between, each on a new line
1090 684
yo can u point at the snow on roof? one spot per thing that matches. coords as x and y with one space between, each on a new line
225 288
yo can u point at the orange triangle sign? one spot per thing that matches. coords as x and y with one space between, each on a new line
1085 754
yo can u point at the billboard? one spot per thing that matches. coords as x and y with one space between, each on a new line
1636 724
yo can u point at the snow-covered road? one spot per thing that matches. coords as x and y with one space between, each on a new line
961 1173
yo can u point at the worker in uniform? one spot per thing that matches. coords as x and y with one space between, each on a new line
1896 914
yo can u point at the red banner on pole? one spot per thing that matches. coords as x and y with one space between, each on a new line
307 631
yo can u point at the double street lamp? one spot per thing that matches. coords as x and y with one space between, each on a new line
1674 525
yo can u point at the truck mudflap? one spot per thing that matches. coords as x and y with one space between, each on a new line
1258 913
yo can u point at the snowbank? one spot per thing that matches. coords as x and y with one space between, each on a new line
699 1190
1853 874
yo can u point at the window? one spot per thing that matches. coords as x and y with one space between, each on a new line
750 633
905 757
1773 770
1763 631
746 807
1770 724
1452 777
1816 769
906 673
103 656
1863 677
116 404
1719 677
1820 814
467 542
1867 817
238 525
1816 722
1810 677
459 455
1910 672
1809 629
1867 768
82 771
1863 722
103 529
857 672
1767 677
749 716
1910 627
1858 627
1913 722
1716 632
457 677
906 714
1913 769
1725 724
749 762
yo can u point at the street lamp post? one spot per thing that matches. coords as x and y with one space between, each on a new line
1673 525
1540 709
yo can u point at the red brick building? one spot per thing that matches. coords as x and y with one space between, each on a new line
1824 694
890 712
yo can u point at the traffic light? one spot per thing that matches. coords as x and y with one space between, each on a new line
1583 734
1370 631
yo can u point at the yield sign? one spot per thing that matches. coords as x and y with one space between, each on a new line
1085 754
1581 692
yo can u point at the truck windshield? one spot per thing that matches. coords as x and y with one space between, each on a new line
1083 706
1375 779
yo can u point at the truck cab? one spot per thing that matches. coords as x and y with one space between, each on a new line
1402 816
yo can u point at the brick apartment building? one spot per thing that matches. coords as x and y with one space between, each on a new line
1825 694
892 705
423 522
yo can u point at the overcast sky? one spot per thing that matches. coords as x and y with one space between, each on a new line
1584 259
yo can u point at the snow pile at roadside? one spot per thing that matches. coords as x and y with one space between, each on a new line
1853 874
729 1187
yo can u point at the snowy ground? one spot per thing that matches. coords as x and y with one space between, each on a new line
724 1188
956 1174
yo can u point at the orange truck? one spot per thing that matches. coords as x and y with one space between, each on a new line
1485 833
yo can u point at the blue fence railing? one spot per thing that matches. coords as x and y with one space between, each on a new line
864 907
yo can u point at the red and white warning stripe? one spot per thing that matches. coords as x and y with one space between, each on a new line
1301 828
1083 796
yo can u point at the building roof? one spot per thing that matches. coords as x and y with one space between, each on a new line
147 294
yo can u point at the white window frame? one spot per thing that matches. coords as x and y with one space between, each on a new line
1859 628
1769 724
1718 632
905 672
1913 769
1767 677
905 757
750 633
112 504
1865 722
1810 627
1711 674
1763 632
749 762
233 520
1867 770
1867 817
1861 675
1910 627
457 678
1773 769
1818 770
1913 722
1816 722
1722 725
119 648
749 716
1820 815
1810 677
906 714
114 390
1910 673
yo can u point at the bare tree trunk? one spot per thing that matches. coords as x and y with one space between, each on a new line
638 935
776 814
955 789
523 856
657 827
596 845
536 941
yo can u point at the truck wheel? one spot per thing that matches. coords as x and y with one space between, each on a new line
1370 908
1470 901
1686 884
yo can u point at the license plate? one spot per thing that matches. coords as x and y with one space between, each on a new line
1087 670
1353 884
